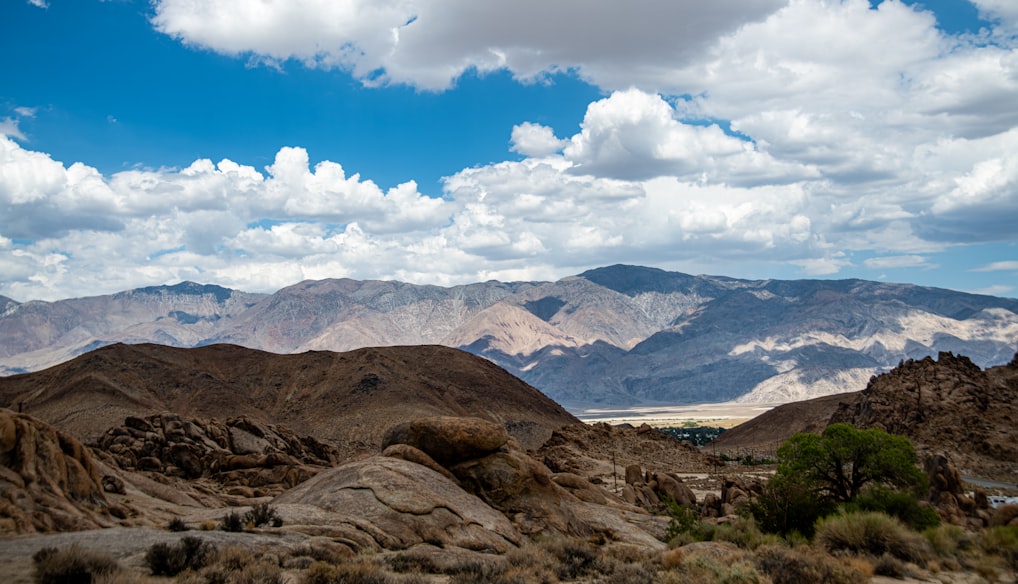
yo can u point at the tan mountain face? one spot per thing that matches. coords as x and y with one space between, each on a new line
621 335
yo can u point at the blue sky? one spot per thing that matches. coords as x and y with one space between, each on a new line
255 145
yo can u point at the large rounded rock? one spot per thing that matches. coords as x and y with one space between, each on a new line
48 481
402 504
449 440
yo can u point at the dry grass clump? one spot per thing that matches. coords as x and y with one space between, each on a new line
871 533
235 565
947 540
743 532
1002 542
357 571
701 568
804 565
72 565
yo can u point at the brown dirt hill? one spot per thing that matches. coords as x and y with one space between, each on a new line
948 405
764 433
349 398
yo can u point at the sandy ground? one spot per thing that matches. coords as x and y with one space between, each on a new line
726 414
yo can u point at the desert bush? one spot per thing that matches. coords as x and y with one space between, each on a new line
320 573
683 523
705 569
804 565
672 558
72 565
622 572
744 533
479 572
574 557
356 572
321 553
905 506
1001 541
789 505
232 521
263 514
888 565
190 553
871 533
176 524
946 540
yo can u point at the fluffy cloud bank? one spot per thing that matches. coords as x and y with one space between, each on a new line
429 43
770 136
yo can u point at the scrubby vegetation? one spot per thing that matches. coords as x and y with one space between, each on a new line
190 553
851 512
73 565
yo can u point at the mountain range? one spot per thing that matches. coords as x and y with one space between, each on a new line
613 336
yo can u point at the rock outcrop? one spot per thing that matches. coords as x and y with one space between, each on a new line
48 480
388 503
946 405
441 480
257 459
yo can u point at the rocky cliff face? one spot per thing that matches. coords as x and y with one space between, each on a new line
48 481
619 335
948 405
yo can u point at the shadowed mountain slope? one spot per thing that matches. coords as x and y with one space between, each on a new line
616 336
348 398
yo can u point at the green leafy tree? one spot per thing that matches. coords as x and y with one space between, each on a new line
842 461
847 467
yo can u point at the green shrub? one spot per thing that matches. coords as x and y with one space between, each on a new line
804 565
743 533
707 569
903 505
871 533
73 565
789 505
190 553
683 525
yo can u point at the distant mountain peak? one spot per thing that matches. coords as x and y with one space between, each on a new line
186 288
620 334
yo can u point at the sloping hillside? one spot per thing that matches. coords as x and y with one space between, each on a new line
948 405
349 398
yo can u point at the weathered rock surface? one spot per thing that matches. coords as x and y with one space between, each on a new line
603 452
947 405
48 481
448 439
523 489
237 452
401 504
